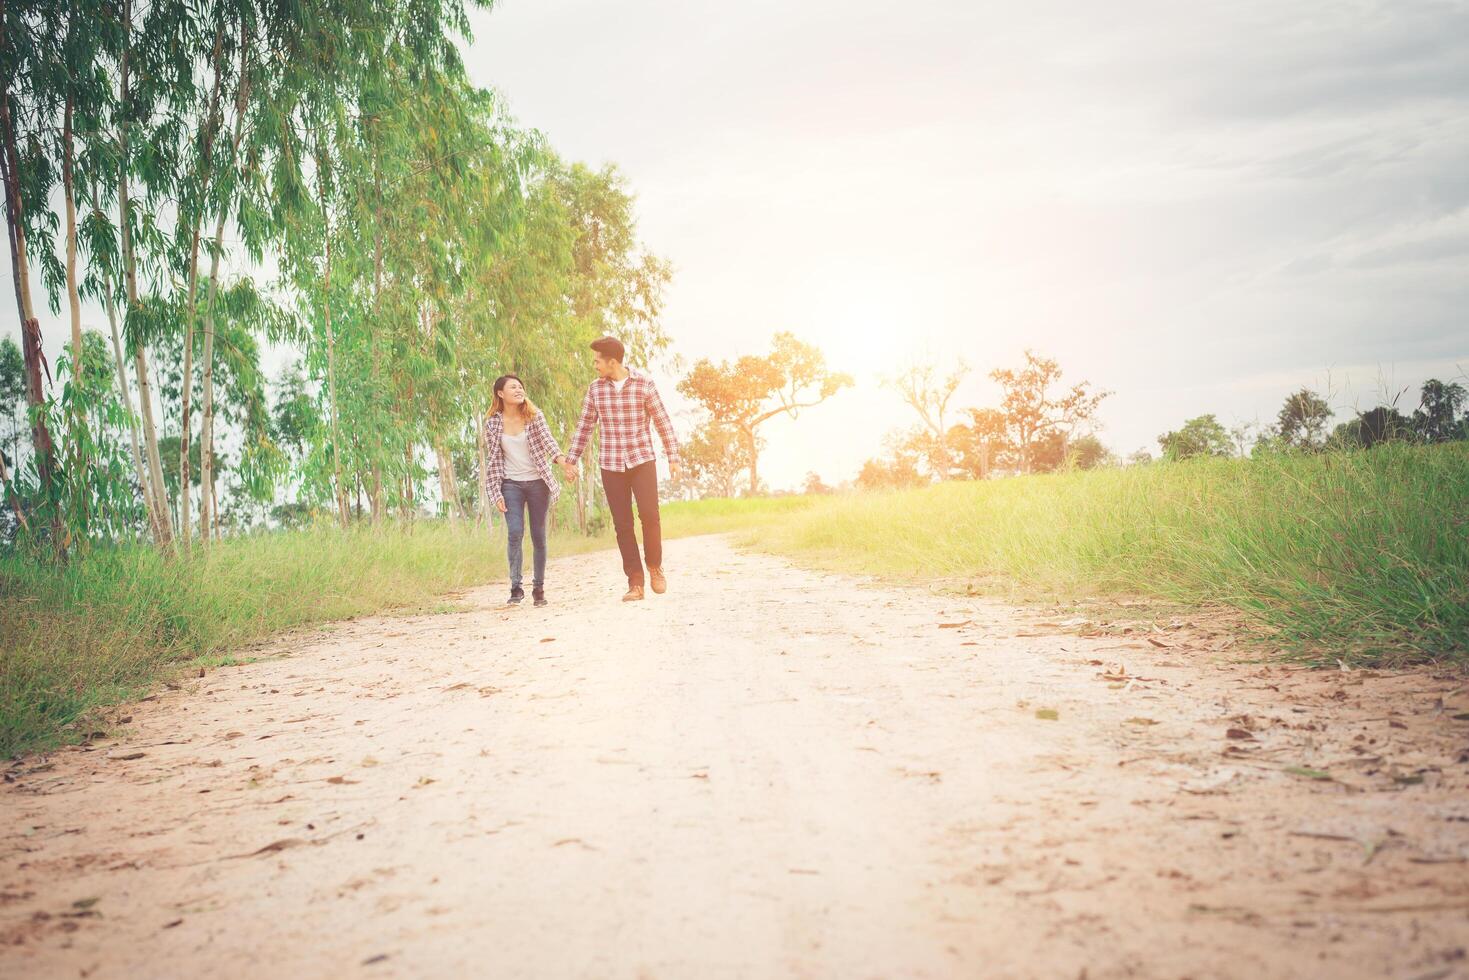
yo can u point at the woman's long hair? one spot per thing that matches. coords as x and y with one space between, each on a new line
528 410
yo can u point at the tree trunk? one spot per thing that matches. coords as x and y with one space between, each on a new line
208 505
162 528
754 462
73 297
406 505
581 499
206 426
186 396
30 327
78 460
331 354
448 485
379 508
127 398
186 428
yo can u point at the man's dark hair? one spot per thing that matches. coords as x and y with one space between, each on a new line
610 347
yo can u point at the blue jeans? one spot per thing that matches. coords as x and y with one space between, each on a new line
520 494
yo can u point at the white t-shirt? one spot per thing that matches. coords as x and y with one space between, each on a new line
518 462
617 385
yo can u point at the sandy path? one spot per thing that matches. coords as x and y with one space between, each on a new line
764 773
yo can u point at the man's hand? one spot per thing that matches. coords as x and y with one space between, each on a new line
675 469
500 505
568 468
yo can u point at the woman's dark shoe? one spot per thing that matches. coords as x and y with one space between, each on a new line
515 596
538 597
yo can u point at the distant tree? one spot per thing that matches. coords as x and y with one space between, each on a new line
1139 457
715 456
890 474
1381 424
755 389
1088 453
928 392
1437 416
1049 452
1036 410
977 445
1202 435
12 394
1301 423
1240 435
815 484
295 419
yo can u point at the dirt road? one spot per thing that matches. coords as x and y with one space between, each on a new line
764 773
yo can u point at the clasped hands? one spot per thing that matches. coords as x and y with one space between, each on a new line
568 469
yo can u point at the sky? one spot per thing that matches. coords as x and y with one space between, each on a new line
1197 206
1200 207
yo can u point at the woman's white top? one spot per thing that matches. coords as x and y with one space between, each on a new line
518 462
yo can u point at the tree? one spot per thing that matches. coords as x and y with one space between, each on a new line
1034 409
1301 423
978 444
928 393
755 389
814 485
715 456
1088 453
1377 425
26 182
1437 417
894 473
1203 435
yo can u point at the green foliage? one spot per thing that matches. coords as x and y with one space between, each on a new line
1301 423
1203 435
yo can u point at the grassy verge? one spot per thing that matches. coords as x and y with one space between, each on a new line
1365 554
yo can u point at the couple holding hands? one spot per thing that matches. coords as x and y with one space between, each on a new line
521 451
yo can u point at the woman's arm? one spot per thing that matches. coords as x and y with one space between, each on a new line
545 443
494 460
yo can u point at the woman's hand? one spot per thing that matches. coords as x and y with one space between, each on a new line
500 505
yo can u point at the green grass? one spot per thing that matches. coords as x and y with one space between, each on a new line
1363 556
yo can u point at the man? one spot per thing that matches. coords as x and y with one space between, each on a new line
622 403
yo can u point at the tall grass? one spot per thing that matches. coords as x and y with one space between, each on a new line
1366 553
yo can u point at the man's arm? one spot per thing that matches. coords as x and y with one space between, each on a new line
583 432
654 406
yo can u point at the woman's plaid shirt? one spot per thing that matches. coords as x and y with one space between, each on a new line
623 417
543 450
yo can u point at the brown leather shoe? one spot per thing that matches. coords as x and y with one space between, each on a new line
633 594
656 579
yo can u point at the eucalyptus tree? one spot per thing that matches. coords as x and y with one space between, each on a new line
155 45
26 171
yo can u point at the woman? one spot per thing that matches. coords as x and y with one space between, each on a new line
518 477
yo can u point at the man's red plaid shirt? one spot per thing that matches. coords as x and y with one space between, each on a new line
623 416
